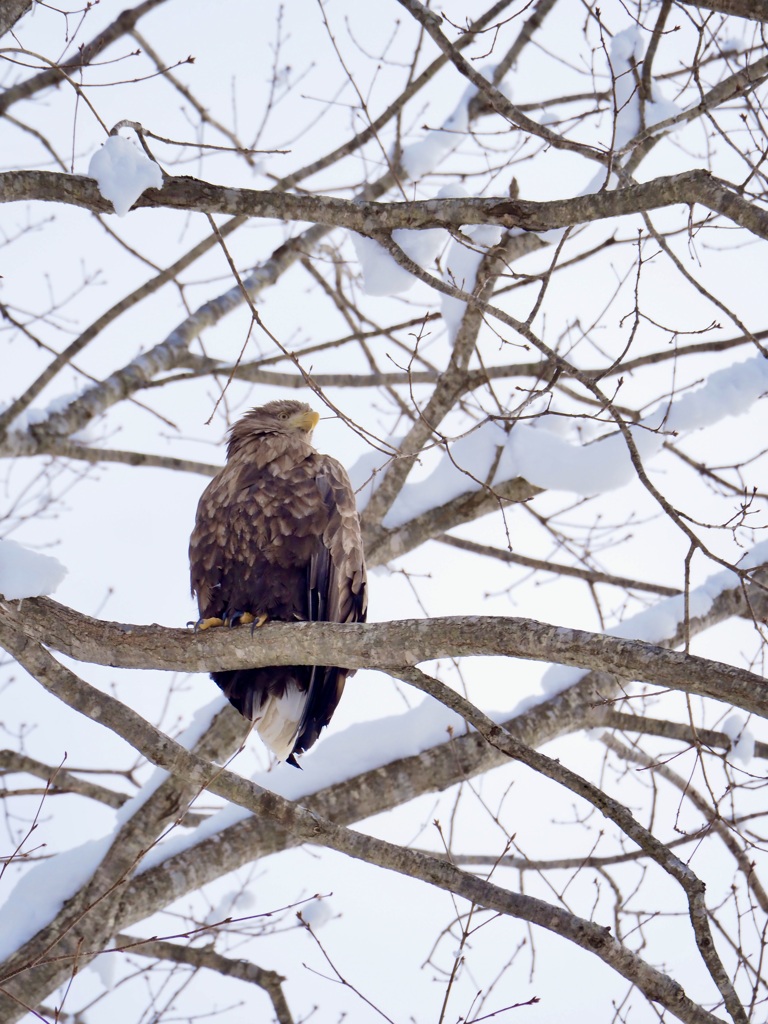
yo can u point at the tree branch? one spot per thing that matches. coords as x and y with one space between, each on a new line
384 645
754 10
372 218
11 12
310 827
196 956
58 779
122 24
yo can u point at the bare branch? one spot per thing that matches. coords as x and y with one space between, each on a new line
386 645
310 827
371 218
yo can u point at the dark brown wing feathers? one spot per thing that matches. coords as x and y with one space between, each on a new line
277 533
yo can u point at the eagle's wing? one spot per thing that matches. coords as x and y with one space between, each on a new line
336 581
254 532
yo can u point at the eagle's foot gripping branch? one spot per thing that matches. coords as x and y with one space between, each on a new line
233 619
206 623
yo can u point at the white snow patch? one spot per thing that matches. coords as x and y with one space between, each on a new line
33 415
461 270
104 966
547 460
123 172
626 53
230 905
368 745
529 451
178 842
317 913
364 474
336 757
467 468
381 274
555 680
39 895
742 739
727 392
419 158
658 624
25 573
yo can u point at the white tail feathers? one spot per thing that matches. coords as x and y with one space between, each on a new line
278 723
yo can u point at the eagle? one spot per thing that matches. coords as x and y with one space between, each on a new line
277 536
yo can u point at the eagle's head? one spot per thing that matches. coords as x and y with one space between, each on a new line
284 418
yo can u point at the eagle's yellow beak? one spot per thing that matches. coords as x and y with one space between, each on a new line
305 420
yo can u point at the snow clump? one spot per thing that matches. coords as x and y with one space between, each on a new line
25 573
123 172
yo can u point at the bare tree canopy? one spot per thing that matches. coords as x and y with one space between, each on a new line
513 255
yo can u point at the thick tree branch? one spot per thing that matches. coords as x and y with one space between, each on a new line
628 723
754 10
377 645
11 12
372 218
122 24
310 827
382 544
460 758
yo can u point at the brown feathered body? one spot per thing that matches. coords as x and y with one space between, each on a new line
277 534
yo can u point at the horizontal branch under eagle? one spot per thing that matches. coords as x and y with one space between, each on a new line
380 645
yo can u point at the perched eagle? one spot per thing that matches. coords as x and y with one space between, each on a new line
277 537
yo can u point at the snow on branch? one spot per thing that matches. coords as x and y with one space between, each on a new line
667 618
123 172
25 573
547 460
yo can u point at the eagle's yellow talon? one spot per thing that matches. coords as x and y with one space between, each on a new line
207 623
245 618
259 620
